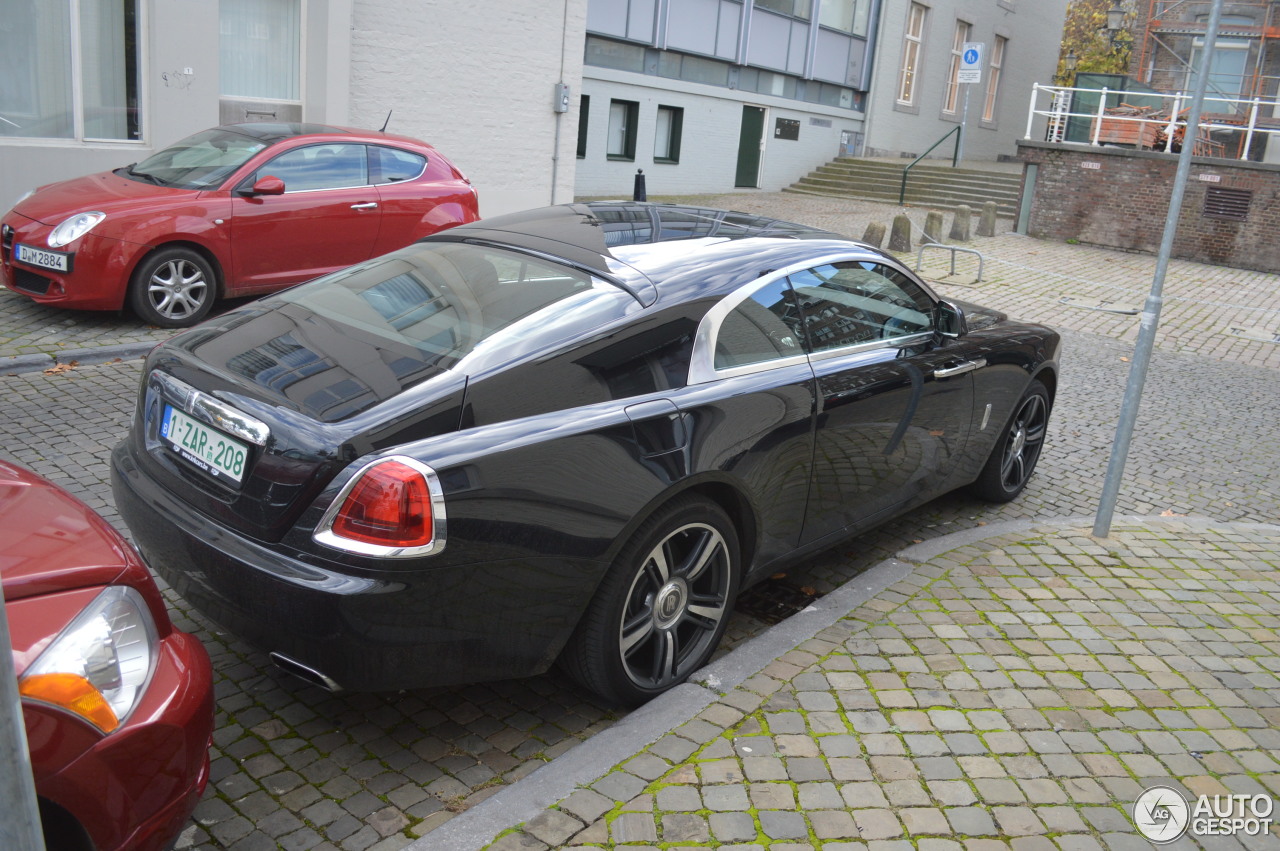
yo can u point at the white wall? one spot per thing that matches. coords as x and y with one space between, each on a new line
709 146
477 81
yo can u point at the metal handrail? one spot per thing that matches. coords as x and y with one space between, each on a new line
955 160
1253 115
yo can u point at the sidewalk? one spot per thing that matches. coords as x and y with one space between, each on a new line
1012 687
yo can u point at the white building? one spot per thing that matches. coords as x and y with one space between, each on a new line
95 84
915 98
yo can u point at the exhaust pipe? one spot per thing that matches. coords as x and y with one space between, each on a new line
303 672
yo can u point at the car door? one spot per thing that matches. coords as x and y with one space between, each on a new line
894 397
750 402
327 218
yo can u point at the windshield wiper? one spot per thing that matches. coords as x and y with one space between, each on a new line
144 175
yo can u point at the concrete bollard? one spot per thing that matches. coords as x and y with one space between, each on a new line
874 234
960 223
987 221
900 235
932 227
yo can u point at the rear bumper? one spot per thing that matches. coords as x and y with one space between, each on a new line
407 627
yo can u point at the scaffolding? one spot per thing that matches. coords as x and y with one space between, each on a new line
1175 29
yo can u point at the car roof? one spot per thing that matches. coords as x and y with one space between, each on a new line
656 243
272 132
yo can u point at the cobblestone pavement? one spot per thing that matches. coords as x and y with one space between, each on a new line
1016 692
295 767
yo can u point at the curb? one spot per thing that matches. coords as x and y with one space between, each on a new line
592 759
17 364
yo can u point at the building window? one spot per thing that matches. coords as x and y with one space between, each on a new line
584 112
604 53
953 72
48 95
622 129
848 16
801 9
993 78
259 49
666 140
912 54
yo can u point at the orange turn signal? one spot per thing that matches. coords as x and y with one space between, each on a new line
73 693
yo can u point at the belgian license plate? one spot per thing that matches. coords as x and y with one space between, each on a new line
206 448
59 261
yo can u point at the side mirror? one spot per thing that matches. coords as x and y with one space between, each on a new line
951 321
266 186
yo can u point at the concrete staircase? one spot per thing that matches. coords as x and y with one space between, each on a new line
928 185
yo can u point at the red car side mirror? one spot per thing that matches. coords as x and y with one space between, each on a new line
268 186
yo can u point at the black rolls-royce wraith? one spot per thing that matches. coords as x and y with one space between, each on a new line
568 434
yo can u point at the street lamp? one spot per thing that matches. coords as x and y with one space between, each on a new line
1115 24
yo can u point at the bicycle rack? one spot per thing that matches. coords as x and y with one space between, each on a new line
953 249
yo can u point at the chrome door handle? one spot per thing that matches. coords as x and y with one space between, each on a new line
960 369
371 205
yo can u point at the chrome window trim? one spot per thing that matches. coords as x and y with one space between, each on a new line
702 369
209 410
325 536
905 341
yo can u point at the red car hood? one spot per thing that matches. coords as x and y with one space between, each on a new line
52 541
105 192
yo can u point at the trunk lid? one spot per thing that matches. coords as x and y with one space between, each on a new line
301 396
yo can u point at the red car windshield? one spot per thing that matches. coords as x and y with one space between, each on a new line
202 161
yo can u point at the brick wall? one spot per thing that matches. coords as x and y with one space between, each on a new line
1119 198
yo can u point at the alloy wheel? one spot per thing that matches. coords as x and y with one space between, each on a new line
1024 442
177 289
674 608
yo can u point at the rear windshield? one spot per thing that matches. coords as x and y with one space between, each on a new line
452 300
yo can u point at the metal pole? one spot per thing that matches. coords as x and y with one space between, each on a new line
1097 120
1151 311
964 120
19 814
1031 113
1248 137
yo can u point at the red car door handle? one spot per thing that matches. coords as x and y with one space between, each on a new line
371 205
960 368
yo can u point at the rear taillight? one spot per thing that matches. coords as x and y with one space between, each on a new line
392 508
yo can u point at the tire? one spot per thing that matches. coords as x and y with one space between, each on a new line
1013 458
173 288
662 608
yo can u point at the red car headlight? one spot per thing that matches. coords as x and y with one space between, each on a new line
100 664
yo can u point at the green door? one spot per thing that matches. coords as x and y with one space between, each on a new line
749 143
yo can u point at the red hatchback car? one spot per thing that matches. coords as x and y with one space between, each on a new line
118 704
238 210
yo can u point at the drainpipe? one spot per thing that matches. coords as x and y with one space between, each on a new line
555 152
868 63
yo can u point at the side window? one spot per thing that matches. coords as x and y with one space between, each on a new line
319 167
764 327
392 165
849 303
